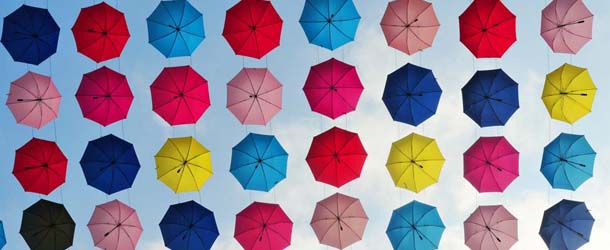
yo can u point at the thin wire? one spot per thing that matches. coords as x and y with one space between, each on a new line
200 196
129 196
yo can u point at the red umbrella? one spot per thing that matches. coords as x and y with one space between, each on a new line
34 100
253 28
100 32
336 157
488 28
263 226
180 95
104 96
40 166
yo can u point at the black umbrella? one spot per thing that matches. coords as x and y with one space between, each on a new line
47 226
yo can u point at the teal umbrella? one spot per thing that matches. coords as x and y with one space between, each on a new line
175 28
415 226
330 23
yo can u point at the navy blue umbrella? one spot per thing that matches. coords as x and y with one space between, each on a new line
566 225
189 226
490 98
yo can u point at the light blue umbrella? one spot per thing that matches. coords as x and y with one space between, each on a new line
175 28
415 226
259 162
568 161
2 236
330 23
566 225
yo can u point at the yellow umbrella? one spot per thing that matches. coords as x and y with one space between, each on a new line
183 164
415 162
568 93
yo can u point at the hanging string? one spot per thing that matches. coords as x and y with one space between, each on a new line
129 196
200 196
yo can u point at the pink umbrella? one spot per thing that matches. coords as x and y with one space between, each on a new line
409 25
115 226
491 164
567 25
34 100
491 227
339 221
254 96
263 226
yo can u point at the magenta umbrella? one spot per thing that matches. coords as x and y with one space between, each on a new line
339 221
491 164
254 96
491 227
567 25
115 226
34 100
409 25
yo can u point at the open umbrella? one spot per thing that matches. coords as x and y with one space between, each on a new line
490 98
175 28
263 226
254 96
183 164
329 23
40 166
409 25
491 227
333 88
411 94
568 93
491 164
47 225
339 221
115 226
188 226
259 162
415 226
566 225
567 25
568 161
33 100
2 236
336 157
30 34
488 28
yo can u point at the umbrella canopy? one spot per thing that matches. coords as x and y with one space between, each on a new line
339 221
488 28
490 98
188 226
568 161
180 95
336 157
253 28
104 96
40 166
491 164
415 226
259 162
566 225
183 164
254 96
263 226
115 226
329 23
411 94
568 93
34 100
567 25
110 164
333 88
30 34
491 227
2 236
409 25
47 225
175 28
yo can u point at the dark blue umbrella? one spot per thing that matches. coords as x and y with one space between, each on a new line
110 164
189 226
330 23
30 34
259 162
411 94
490 98
566 225
175 28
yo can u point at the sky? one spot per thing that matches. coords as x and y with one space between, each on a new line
529 130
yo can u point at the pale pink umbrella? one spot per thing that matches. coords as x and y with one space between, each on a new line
491 227
34 100
115 226
339 221
254 96
409 25
567 25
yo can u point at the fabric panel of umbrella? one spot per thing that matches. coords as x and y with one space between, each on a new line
409 25
568 161
47 225
490 98
491 227
330 24
254 96
175 28
33 100
339 221
115 226
188 226
568 93
488 29
567 25
259 162
491 164
40 166
183 164
263 226
567 225
415 226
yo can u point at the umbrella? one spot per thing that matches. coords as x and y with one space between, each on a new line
180 95
488 28
110 164
411 94
30 34
254 96
175 28
34 100
491 227
115 226
490 98
566 225
339 221
104 96
259 162
568 93
188 226
409 25
100 32
336 157
183 164
329 23
47 225
415 226
333 88
567 25
491 164
415 162
2 236
253 28
40 166
568 161
263 226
